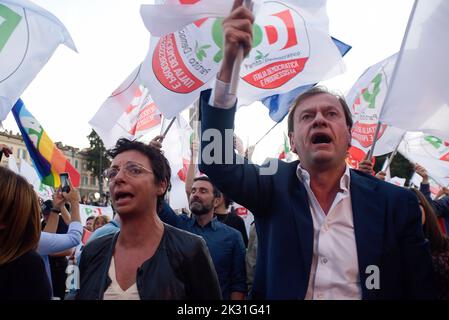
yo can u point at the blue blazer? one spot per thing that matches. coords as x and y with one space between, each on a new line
387 225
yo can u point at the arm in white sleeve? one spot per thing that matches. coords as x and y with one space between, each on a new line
50 243
220 96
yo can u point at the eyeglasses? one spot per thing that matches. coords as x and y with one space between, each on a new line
130 169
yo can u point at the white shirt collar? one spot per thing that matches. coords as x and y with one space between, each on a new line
304 177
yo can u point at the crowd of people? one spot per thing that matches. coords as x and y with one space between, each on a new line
321 231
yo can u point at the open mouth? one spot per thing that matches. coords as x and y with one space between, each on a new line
318 138
123 195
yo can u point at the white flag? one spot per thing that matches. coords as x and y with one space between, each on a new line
26 170
425 145
400 182
419 93
87 211
365 100
164 18
128 113
285 34
28 37
430 152
434 187
176 147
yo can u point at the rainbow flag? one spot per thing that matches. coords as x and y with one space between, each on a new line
48 160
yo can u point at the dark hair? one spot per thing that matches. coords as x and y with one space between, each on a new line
216 192
159 164
19 212
46 207
313 92
90 218
227 201
437 240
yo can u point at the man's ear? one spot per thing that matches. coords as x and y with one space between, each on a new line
292 143
349 138
217 202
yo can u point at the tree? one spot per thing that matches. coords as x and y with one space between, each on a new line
96 159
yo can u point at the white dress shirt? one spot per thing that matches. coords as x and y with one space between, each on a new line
334 273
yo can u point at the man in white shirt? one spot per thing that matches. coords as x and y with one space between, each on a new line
324 231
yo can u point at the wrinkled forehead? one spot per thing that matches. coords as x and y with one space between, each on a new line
130 156
202 184
319 101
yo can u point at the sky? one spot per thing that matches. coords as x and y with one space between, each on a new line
112 40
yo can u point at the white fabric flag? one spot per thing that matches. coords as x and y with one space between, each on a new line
400 182
181 64
425 145
365 100
419 93
434 187
129 113
430 152
26 170
176 147
28 37
164 18
29 173
87 211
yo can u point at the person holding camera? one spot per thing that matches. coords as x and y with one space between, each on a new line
52 243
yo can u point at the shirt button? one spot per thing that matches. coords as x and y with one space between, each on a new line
324 260
326 227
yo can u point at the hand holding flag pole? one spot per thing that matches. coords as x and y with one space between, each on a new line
239 58
157 141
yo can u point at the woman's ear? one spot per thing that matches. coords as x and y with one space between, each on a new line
163 185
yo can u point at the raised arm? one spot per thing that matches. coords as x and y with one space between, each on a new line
242 182
52 243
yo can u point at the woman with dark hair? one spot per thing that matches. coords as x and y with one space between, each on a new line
146 259
22 271
439 244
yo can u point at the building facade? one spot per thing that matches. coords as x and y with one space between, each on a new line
88 185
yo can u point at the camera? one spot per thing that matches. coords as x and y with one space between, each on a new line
64 182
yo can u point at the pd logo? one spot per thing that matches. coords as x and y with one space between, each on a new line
367 108
281 47
185 60
14 39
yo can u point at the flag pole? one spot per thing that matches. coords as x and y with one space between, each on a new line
392 155
266 134
371 151
169 126
235 75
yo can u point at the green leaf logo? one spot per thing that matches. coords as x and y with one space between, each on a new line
370 97
260 55
8 23
217 35
200 51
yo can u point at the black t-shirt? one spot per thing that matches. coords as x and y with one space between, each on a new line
24 278
233 220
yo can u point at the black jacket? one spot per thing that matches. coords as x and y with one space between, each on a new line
181 268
